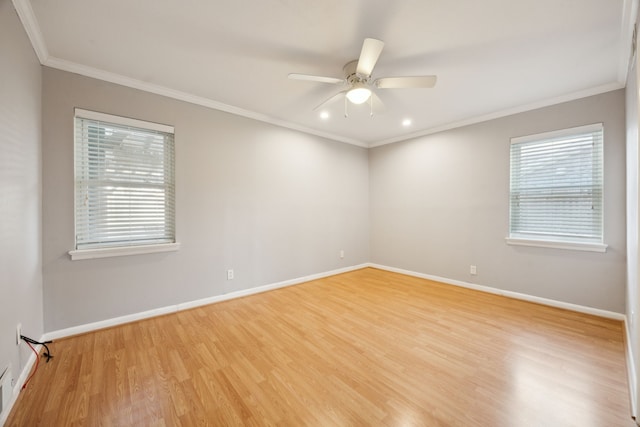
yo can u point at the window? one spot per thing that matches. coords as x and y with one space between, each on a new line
556 189
124 186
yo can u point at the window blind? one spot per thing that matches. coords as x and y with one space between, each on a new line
557 186
124 182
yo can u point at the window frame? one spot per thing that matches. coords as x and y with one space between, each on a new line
124 249
551 241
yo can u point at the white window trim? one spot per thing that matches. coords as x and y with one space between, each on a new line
515 240
81 254
108 252
125 121
557 133
575 246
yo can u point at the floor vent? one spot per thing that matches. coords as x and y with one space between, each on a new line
5 388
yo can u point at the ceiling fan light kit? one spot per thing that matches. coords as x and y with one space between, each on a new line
357 77
358 94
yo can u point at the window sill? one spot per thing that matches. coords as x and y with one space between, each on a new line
122 251
574 246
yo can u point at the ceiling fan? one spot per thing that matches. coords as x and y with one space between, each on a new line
357 77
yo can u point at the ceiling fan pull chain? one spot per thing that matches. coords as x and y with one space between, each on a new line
371 106
346 114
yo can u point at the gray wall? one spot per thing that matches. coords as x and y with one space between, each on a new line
20 190
270 203
439 203
274 204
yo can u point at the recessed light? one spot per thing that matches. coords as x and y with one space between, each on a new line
406 122
324 115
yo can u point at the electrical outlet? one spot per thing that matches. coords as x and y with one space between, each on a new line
18 333
342 253
473 270
229 274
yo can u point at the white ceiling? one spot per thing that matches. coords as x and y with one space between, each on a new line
492 57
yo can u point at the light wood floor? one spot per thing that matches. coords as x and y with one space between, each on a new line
363 348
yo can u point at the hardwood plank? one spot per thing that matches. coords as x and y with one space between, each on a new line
367 347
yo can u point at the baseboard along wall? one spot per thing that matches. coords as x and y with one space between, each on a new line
94 326
516 295
15 392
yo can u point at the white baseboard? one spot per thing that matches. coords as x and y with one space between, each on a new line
631 371
94 326
17 388
89 327
516 295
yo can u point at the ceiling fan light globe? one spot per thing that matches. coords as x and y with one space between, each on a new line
358 95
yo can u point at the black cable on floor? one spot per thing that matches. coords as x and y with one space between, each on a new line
47 353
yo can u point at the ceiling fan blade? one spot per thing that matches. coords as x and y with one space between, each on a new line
332 99
378 105
406 82
321 79
371 49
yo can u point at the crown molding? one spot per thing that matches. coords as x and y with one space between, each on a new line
32 28
626 53
107 76
504 113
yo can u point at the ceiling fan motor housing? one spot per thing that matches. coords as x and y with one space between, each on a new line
351 76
